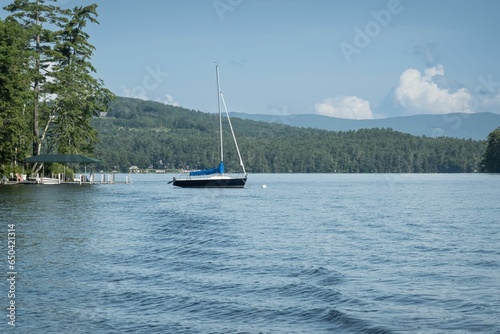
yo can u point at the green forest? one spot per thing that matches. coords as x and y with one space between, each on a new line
153 135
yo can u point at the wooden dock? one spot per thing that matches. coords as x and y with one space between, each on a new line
78 179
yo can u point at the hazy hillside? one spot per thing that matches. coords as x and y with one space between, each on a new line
457 125
154 135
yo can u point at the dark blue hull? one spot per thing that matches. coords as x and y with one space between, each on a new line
237 182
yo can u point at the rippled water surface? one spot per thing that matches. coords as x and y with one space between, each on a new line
306 254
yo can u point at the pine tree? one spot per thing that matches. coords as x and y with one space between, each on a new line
15 93
32 15
79 95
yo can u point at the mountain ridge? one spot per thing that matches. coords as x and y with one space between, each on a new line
474 126
150 134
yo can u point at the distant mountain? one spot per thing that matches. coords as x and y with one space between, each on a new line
475 126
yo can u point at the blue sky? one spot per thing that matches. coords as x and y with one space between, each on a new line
349 59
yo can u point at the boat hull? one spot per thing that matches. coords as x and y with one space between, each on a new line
227 182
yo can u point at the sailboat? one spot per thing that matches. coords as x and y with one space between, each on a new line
215 177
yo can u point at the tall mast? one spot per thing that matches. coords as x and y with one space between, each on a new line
220 113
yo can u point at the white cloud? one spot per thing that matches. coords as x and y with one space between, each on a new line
351 107
420 94
140 93
136 93
169 100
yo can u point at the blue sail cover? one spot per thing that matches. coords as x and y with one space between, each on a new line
217 170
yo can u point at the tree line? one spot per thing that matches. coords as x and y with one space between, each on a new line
153 135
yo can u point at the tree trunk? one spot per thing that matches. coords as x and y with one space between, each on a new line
36 131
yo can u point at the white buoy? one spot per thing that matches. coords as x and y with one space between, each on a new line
264 186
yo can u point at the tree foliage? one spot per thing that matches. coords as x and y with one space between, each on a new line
33 16
79 96
54 94
150 134
491 160
15 123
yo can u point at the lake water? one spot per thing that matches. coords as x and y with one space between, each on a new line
309 253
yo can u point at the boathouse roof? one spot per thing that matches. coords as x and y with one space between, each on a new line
61 158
